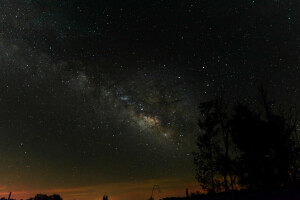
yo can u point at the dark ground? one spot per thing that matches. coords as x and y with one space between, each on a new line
289 194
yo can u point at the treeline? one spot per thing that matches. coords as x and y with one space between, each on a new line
46 197
40 197
253 147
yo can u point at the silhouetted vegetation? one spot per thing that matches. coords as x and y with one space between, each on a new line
105 197
46 197
251 147
3 198
215 157
243 195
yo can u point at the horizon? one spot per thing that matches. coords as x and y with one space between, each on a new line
115 191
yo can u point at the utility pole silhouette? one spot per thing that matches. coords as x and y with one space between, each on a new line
9 196
187 193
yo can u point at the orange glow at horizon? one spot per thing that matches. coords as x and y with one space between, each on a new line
136 190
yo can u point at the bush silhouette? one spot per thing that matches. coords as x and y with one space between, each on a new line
46 197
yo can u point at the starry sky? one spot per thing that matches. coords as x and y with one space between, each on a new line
101 97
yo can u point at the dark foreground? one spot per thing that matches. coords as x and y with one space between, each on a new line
291 194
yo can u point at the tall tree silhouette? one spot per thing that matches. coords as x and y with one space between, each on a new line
267 148
213 159
258 146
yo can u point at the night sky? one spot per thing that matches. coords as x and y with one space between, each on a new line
101 97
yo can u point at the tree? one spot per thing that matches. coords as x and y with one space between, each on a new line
206 162
258 146
213 159
266 145
291 119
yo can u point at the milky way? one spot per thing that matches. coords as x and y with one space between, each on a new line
95 127
51 106
99 92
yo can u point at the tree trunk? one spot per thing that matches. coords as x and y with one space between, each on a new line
212 171
226 156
